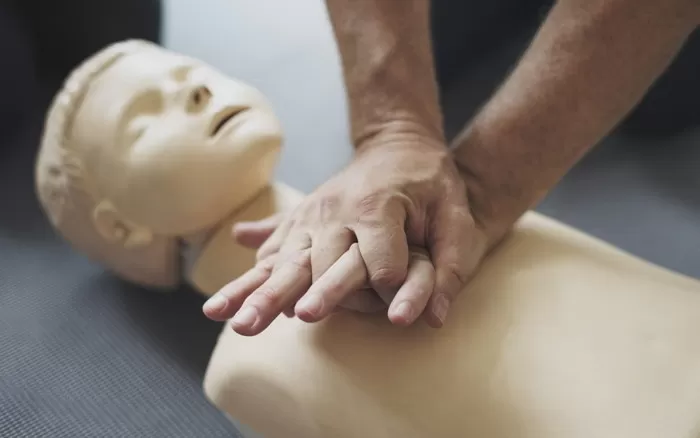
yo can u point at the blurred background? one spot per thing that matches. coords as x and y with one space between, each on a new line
85 355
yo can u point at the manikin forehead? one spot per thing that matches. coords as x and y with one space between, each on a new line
151 83
142 71
115 89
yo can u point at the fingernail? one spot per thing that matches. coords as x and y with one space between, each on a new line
404 310
217 304
441 305
311 304
246 317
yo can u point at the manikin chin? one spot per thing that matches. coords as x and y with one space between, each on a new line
148 158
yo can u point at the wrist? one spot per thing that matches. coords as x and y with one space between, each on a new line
400 132
385 103
500 187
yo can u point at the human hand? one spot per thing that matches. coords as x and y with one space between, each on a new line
364 299
400 190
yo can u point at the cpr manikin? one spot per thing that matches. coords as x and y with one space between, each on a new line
147 159
559 336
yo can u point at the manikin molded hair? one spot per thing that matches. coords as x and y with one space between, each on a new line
65 190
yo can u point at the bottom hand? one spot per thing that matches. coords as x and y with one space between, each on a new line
254 234
257 297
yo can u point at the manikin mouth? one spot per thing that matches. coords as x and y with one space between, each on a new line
223 118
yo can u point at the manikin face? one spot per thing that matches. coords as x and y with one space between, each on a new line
173 144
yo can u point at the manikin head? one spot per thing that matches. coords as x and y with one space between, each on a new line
143 147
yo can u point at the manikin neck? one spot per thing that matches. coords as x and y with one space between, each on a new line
213 258
253 183
193 244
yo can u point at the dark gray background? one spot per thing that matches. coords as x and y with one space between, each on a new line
84 355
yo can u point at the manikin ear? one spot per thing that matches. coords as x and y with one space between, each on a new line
115 229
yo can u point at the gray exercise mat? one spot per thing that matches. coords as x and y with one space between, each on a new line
85 355
81 353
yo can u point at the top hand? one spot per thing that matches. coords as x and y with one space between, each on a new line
400 190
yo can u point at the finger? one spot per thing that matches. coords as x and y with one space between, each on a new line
456 248
294 243
413 296
226 302
254 233
288 281
363 301
278 237
327 247
347 275
384 249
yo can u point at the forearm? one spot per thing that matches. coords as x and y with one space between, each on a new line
589 65
386 54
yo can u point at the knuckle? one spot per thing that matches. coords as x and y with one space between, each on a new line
374 209
458 277
300 260
298 215
328 207
375 200
266 265
267 296
387 277
369 204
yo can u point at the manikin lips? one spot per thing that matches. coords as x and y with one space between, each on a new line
224 117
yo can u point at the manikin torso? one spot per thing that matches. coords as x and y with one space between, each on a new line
559 335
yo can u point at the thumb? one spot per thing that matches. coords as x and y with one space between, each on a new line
253 234
456 247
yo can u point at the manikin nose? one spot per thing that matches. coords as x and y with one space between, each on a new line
198 99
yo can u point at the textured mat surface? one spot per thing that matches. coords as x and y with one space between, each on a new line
84 355
81 354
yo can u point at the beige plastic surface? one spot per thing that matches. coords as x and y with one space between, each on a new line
559 336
